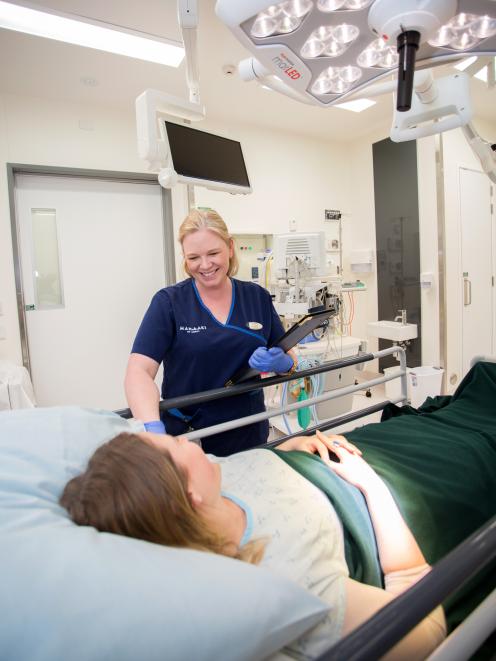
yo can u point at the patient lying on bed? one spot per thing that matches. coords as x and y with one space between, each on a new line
255 507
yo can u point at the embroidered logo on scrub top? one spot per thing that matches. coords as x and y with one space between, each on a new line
192 329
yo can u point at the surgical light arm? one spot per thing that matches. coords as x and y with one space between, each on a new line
440 105
252 69
484 150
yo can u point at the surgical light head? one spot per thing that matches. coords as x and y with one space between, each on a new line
326 50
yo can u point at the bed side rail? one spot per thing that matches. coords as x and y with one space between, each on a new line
221 393
377 635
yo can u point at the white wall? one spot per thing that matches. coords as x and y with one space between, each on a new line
293 177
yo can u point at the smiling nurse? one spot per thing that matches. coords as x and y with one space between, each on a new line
203 330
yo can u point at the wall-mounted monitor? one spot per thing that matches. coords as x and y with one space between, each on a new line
203 159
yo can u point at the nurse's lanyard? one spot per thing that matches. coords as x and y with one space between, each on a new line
184 418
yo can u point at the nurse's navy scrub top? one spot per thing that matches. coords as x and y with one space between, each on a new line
200 353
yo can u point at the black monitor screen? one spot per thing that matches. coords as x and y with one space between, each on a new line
201 155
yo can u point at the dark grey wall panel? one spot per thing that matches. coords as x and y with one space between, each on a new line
397 238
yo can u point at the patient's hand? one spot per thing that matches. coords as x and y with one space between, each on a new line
319 444
351 466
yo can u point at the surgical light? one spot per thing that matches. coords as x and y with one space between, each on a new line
300 40
464 31
81 31
283 18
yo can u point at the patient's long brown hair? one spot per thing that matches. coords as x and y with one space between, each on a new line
134 489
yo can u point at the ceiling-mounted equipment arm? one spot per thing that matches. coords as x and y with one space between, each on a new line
150 106
187 13
437 105
484 150
252 69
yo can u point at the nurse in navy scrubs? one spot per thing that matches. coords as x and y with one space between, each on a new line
203 330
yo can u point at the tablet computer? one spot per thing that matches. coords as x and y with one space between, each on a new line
291 337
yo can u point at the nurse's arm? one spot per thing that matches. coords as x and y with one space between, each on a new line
142 394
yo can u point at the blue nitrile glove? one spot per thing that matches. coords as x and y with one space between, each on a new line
155 426
270 360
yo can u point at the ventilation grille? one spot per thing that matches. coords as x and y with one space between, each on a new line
298 246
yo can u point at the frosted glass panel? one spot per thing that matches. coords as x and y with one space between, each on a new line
46 265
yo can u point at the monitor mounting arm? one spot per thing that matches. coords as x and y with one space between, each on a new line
151 106
187 15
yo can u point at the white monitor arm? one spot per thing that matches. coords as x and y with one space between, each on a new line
187 15
152 105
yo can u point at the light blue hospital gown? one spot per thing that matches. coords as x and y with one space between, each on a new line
305 536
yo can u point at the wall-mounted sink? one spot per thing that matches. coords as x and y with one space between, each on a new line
392 330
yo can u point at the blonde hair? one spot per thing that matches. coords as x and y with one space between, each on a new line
131 488
199 219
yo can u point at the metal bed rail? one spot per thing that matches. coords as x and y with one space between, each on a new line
221 393
388 626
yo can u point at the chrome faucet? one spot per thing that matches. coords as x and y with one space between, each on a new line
401 317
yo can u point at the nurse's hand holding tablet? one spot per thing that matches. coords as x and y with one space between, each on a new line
203 330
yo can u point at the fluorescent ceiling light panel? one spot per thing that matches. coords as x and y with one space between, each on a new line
73 29
356 106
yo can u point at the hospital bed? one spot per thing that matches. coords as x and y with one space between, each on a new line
468 542
69 592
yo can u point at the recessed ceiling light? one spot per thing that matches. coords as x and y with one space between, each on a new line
74 29
464 64
482 74
356 106
88 81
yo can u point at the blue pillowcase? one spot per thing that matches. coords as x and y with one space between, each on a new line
70 592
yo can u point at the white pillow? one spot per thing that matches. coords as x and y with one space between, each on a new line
72 593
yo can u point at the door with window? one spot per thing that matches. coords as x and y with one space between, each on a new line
477 265
91 257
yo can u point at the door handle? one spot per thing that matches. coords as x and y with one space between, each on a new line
467 292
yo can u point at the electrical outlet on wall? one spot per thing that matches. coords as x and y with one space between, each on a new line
292 226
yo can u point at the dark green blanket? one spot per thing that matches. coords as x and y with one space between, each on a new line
439 462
